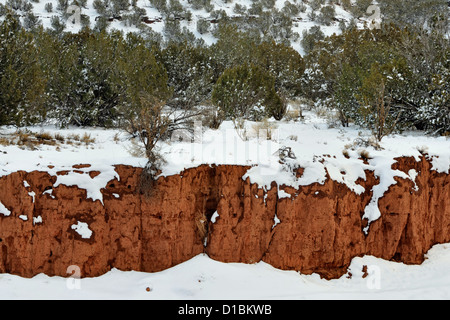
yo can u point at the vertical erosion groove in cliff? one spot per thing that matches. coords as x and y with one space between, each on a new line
319 228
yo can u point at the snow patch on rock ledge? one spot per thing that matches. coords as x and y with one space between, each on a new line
92 185
3 210
441 163
82 228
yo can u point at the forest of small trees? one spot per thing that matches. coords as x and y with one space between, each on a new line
386 79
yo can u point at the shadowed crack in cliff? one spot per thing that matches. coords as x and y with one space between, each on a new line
275 218
210 204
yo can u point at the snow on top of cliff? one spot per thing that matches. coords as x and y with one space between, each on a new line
106 149
92 185
322 151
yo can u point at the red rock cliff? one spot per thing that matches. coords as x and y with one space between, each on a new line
320 228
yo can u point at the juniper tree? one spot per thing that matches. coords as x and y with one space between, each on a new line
246 92
58 62
268 4
19 5
310 38
290 9
190 71
256 8
316 4
62 7
203 26
239 9
161 5
118 6
284 63
101 24
31 21
377 104
359 9
327 15
21 79
100 6
143 101
134 18
435 111
57 24
49 7
233 47
413 12
200 4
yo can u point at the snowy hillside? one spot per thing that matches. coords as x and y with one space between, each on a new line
156 19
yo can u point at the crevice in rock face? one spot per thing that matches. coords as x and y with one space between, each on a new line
202 226
403 238
4 259
274 227
211 204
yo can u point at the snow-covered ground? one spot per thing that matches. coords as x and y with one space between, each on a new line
202 278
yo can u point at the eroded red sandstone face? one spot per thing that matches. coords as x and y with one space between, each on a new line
320 229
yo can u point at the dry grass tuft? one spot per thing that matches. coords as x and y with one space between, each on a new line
5 141
59 137
87 139
202 224
364 154
264 129
43 136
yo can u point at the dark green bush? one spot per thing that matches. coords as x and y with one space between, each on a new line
247 92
